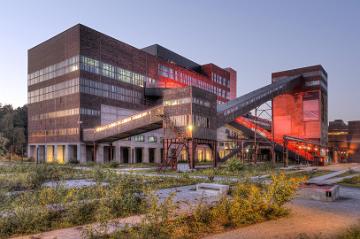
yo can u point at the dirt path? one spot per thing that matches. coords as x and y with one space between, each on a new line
302 221
78 232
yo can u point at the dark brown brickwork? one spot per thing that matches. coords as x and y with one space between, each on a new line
84 41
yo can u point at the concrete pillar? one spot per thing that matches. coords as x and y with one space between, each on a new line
145 155
157 155
118 154
132 155
67 153
99 153
29 153
81 153
45 153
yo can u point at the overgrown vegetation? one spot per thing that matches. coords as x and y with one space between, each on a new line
18 177
353 181
13 130
351 233
250 203
38 208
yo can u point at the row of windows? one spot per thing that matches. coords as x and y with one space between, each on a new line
186 101
113 72
138 138
184 120
54 91
90 112
189 80
141 138
59 69
201 102
180 120
88 87
220 80
110 91
64 113
201 121
177 101
55 132
90 65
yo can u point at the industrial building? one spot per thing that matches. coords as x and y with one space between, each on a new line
344 141
82 78
94 98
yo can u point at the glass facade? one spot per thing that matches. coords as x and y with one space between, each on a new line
65 113
110 91
54 91
50 72
113 72
90 65
87 86
55 132
186 100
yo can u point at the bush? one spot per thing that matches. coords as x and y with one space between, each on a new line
73 161
114 164
234 165
351 233
50 208
250 203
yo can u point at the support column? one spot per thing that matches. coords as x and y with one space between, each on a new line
145 156
273 155
191 146
118 154
36 154
29 153
286 155
157 155
214 149
67 151
81 153
99 153
45 153
132 155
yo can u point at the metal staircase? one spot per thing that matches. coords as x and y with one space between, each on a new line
171 155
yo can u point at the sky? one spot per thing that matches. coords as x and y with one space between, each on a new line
254 37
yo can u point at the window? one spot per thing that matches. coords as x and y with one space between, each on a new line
152 139
139 138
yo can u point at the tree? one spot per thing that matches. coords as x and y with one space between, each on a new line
13 129
3 143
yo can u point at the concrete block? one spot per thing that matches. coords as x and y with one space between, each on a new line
328 193
219 189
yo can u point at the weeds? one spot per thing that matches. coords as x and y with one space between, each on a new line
250 203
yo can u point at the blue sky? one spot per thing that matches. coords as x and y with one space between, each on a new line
255 37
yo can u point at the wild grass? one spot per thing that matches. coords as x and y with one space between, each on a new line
353 181
37 208
248 204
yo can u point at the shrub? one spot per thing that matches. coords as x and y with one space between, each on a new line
73 161
234 165
250 203
351 233
114 164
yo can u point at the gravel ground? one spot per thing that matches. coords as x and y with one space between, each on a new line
308 217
